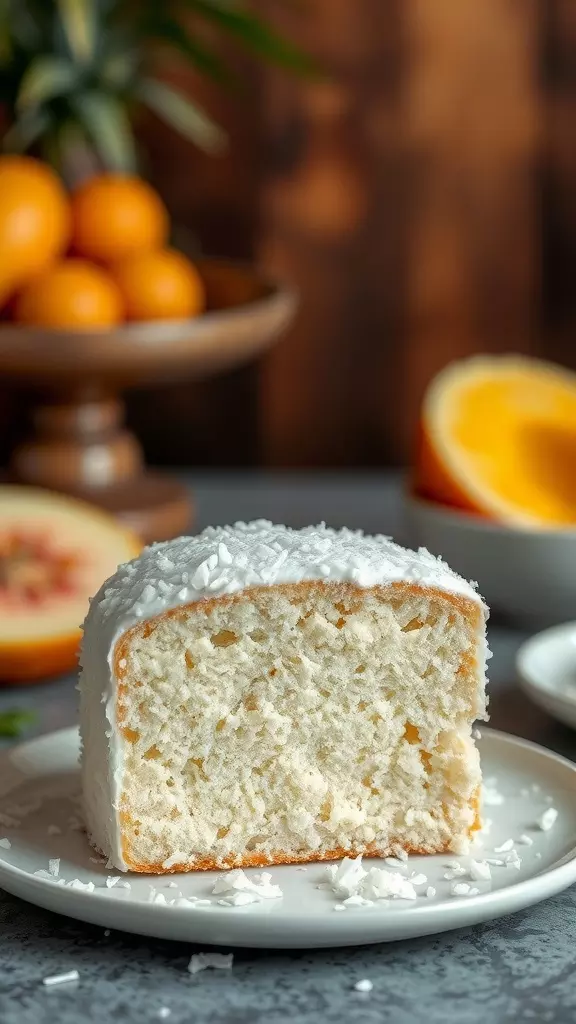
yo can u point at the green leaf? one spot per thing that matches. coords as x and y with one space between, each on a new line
45 78
78 19
13 722
117 69
25 131
182 114
168 31
255 34
106 123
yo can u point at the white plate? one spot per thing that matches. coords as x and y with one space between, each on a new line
45 771
546 666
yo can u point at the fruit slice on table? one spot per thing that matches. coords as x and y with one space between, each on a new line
498 437
72 294
115 215
55 552
159 285
34 220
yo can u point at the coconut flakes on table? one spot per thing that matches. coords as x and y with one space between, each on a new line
61 979
364 985
205 961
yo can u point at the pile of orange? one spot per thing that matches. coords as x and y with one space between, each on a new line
498 438
90 259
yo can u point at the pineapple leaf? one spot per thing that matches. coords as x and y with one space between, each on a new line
254 33
106 123
45 78
26 130
78 18
169 32
182 114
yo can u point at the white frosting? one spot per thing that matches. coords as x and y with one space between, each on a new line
221 560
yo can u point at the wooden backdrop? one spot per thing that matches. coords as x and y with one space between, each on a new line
423 199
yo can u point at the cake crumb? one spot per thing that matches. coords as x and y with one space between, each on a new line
365 985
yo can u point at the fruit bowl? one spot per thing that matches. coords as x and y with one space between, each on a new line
527 574
80 445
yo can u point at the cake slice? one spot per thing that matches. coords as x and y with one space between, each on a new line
260 695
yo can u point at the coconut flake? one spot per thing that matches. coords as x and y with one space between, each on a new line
547 819
505 846
480 871
430 892
77 884
232 882
112 880
526 840
204 961
54 867
365 985
5 843
61 979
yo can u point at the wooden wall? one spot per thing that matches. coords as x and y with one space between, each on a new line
423 198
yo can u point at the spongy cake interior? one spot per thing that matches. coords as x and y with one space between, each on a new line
299 722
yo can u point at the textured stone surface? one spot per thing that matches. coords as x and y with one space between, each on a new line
519 968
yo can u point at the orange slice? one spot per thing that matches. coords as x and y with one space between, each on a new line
498 437
55 552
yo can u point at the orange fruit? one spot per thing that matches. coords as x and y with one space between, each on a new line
160 285
73 294
498 437
114 215
34 220
55 552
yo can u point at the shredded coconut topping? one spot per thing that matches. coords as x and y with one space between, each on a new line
5 843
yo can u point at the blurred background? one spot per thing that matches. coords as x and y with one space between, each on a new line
420 193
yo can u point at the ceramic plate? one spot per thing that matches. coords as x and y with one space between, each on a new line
39 788
546 667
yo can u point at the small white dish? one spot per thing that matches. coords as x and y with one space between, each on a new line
528 574
39 781
546 666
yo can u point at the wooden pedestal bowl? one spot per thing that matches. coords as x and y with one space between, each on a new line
79 444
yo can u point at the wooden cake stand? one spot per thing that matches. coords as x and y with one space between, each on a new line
79 443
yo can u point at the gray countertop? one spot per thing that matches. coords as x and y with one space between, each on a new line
516 968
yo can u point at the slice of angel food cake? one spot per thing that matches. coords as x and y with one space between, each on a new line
260 695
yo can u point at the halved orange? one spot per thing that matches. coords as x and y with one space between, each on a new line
498 437
55 552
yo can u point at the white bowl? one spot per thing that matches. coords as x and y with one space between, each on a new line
546 668
530 575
